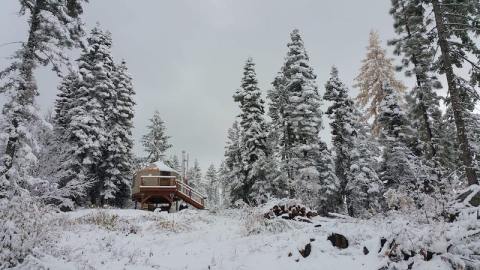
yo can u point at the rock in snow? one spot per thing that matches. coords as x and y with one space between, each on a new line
338 240
306 251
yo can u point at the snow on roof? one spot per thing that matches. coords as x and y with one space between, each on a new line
163 167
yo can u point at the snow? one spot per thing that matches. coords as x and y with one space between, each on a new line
199 239
163 167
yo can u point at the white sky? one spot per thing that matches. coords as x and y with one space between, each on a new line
186 57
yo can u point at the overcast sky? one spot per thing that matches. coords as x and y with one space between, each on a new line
186 57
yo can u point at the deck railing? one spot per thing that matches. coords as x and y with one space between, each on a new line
191 193
157 181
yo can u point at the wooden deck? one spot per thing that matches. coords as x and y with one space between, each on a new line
166 190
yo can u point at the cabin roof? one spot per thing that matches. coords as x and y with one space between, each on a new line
161 166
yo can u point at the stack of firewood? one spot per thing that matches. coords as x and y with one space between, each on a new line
296 212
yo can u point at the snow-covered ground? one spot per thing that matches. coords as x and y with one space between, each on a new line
193 239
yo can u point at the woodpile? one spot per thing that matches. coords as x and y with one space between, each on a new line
295 212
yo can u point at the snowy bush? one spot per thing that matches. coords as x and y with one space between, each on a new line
399 200
108 221
176 222
239 204
255 223
101 219
22 227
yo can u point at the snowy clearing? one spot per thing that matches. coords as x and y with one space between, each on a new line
195 239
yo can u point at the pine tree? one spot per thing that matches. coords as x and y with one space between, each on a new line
53 27
455 22
327 187
224 185
402 172
364 186
155 141
59 150
174 163
418 55
277 178
194 175
473 123
117 164
297 120
278 100
448 150
304 117
377 69
341 113
211 186
65 100
87 129
233 162
254 150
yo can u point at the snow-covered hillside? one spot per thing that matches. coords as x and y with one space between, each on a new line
229 239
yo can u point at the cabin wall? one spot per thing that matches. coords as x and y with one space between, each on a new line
144 172
149 171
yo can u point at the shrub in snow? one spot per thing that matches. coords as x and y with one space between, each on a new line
102 219
22 227
256 223
239 204
108 221
398 200
412 241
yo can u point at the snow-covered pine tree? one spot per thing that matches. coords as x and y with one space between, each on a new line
365 187
117 151
277 178
304 117
418 53
155 141
473 124
52 27
401 171
341 112
279 131
64 101
194 175
448 151
297 120
174 163
224 188
327 188
54 147
455 27
254 187
211 186
87 130
358 189
233 162
58 148
377 69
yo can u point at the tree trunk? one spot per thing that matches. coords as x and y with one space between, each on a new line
466 154
27 89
